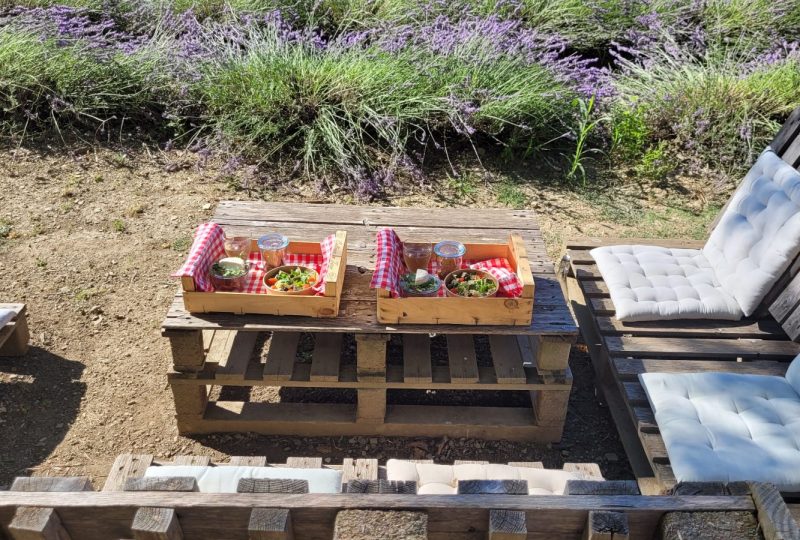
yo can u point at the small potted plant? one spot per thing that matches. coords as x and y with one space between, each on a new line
291 281
229 274
471 284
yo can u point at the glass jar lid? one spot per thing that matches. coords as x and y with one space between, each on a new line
449 249
273 241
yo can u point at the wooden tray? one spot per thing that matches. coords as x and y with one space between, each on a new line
477 311
309 306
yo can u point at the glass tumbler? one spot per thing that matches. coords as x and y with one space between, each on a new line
237 246
417 255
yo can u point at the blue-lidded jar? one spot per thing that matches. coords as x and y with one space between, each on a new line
273 247
450 255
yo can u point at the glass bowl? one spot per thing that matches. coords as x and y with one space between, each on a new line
229 283
406 291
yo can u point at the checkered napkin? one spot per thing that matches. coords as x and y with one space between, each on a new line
209 247
389 266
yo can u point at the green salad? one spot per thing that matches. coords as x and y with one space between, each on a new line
470 284
426 285
228 271
296 279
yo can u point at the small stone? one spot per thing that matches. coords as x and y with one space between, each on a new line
207 206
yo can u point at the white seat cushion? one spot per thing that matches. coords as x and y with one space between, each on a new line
758 235
225 478
443 479
656 283
5 316
725 427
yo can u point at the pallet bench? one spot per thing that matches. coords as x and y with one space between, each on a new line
14 335
68 508
215 349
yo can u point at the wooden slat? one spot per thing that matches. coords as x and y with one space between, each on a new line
761 329
232 352
37 524
124 467
271 485
774 517
163 483
492 487
359 469
587 470
787 133
156 523
792 153
701 348
417 358
326 357
304 462
507 525
787 301
463 362
630 368
507 359
47 483
591 242
606 526
270 524
792 325
281 356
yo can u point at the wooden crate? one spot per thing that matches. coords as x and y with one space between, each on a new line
473 311
326 305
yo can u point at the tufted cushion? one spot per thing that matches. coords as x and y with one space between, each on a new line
225 479
443 479
724 427
655 283
758 235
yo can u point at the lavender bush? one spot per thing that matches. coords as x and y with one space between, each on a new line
362 90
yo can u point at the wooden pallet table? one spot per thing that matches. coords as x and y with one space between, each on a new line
14 335
215 349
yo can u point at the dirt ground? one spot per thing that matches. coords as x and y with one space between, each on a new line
88 239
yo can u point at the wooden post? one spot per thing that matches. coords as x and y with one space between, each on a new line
550 406
551 352
188 352
156 524
190 403
17 342
32 523
270 524
386 525
371 356
606 526
371 405
774 517
507 525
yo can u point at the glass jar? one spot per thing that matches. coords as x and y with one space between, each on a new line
273 248
450 255
237 246
417 255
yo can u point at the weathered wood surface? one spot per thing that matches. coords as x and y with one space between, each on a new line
14 336
358 307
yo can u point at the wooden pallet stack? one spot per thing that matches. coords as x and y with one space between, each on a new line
225 358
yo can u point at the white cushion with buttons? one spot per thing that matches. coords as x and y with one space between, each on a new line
225 478
443 479
756 239
657 283
725 427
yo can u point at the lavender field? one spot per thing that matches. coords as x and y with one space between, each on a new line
371 91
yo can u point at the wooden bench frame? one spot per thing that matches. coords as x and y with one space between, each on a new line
14 336
620 351
64 508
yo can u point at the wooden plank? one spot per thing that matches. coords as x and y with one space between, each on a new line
235 355
417 358
270 524
248 461
165 483
381 486
201 461
606 526
271 485
124 467
463 362
281 356
774 517
156 523
507 359
792 153
787 133
591 242
701 348
492 487
787 301
507 525
601 487
586 470
37 524
528 464
326 357
386 525
792 325
630 368
304 462
759 329
49 483
359 469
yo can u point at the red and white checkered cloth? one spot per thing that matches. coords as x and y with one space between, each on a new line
389 266
209 247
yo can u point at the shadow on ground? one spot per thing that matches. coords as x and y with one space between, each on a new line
589 436
40 394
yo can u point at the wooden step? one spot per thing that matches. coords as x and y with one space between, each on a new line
713 349
747 329
630 368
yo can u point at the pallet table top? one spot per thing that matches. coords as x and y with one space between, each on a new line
551 316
